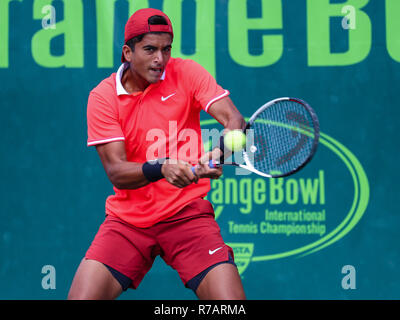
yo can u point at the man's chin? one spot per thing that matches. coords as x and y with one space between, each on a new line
153 80
154 77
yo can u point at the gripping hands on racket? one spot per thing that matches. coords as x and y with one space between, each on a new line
181 174
205 169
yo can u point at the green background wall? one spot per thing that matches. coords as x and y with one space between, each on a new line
53 188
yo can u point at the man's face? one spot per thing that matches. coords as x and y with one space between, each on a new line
150 57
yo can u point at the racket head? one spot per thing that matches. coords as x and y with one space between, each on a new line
282 137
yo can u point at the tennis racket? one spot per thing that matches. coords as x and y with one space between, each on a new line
281 138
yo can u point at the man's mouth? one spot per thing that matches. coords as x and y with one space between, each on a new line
157 71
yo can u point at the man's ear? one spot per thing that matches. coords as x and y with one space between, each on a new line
127 52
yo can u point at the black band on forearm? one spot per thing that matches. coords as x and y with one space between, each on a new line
152 171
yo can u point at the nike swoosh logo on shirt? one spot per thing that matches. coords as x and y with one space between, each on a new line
166 98
210 252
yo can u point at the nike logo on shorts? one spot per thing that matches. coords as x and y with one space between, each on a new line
166 98
211 252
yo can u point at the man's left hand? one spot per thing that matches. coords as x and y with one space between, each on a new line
202 169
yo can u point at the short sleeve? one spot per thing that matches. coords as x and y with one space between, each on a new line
102 121
204 87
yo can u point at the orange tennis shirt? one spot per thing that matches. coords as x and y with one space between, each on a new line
163 121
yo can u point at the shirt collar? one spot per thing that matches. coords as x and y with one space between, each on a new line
120 88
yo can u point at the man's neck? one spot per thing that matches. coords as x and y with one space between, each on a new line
132 83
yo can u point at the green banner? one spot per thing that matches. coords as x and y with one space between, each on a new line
328 232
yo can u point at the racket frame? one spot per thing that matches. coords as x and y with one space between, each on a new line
250 167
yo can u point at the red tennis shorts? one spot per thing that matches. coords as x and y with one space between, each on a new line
189 242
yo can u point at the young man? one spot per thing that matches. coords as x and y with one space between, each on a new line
158 206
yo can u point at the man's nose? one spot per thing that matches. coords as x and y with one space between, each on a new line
158 57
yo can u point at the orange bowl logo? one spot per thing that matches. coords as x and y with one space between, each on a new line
267 219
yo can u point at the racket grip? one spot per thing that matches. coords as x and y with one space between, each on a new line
211 164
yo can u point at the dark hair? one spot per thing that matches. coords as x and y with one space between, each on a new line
153 20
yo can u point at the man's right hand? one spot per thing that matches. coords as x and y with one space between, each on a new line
178 173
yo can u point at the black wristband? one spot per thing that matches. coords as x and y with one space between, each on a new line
152 170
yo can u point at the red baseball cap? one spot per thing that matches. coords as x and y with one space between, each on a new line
138 24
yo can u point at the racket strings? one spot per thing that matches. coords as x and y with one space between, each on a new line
283 138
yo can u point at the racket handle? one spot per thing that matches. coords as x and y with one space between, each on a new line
211 164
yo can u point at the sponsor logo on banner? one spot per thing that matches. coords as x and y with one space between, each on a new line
267 219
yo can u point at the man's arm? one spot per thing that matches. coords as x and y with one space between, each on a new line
129 175
225 112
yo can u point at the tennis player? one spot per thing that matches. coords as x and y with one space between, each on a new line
144 122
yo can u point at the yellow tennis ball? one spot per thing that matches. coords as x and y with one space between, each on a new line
235 140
